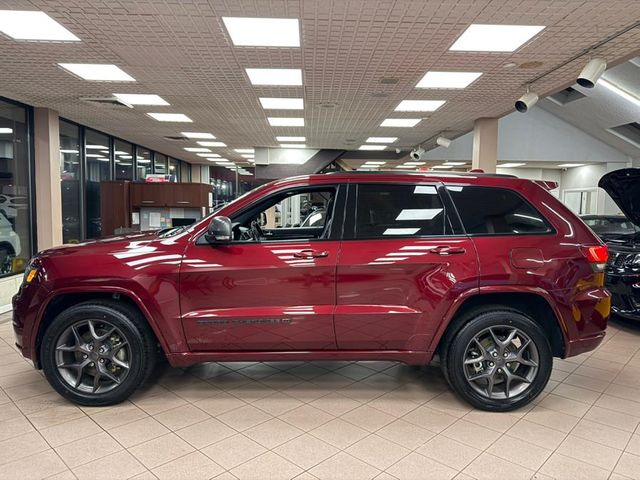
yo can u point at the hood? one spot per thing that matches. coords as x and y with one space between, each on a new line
623 186
112 243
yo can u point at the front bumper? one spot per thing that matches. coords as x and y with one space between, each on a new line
625 294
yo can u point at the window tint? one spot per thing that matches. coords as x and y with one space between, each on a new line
385 211
496 211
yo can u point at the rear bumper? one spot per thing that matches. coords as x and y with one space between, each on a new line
625 295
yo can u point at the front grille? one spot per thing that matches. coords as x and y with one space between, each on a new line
619 259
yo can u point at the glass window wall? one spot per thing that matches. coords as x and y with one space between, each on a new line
70 176
123 157
97 154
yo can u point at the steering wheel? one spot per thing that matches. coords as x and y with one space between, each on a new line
256 230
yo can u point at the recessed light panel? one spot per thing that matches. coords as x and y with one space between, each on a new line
373 163
454 164
170 117
101 72
197 135
291 139
419 105
372 147
511 165
381 139
33 25
445 80
248 155
400 122
286 121
571 165
6 130
244 150
196 149
275 76
293 145
494 38
269 103
208 155
212 144
263 32
140 99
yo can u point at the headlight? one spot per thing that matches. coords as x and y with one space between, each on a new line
30 272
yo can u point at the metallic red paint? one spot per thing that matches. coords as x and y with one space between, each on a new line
379 299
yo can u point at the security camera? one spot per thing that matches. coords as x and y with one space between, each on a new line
526 101
417 153
443 142
591 73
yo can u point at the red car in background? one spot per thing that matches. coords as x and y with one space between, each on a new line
490 272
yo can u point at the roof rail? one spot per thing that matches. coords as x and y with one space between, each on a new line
430 172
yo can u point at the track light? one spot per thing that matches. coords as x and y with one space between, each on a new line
526 101
417 153
591 72
443 142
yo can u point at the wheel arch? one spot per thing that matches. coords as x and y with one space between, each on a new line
531 303
63 300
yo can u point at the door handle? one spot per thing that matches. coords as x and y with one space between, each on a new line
311 254
447 250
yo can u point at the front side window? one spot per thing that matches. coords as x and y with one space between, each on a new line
293 215
496 211
388 211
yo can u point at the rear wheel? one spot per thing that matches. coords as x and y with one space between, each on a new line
97 353
499 360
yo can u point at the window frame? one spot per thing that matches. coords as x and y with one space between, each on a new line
551 230
351 207
337 223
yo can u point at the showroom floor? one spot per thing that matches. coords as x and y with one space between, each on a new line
326 420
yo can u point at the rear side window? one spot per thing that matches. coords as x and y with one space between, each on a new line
387 211
496 211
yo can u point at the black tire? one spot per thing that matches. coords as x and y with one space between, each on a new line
129 324
457 348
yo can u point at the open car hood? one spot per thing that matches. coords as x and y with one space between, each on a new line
623 186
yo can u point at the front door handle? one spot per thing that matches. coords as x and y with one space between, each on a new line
447 250
311 254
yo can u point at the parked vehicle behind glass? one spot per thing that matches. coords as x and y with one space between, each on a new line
491 273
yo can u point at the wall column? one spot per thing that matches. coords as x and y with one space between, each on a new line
46 135
485 144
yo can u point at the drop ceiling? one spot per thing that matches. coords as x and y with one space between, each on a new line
359 60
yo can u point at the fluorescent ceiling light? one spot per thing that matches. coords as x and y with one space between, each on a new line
244 150
62 150
197 135
291 139
381 139
293 145
33 25
212 144
419 105
263 32
447 80
494 38
6 130
196 149
414 164
442 166
125 157
372 163
400 122
372 147
275 76
206 155
247 155
455 164
286 121
570 165
98 72
406 166
619 91
96 147
511 165
170 117
140 99
270 103
94 155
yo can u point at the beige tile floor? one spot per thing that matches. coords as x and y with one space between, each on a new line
337 420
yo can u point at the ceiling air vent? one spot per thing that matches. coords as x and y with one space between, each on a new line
566 96
629 132
109 102
176 138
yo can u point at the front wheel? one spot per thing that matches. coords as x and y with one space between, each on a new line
499 361
97 353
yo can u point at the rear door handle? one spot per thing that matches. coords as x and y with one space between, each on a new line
447 250
311 254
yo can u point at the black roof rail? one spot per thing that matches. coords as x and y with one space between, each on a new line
431 173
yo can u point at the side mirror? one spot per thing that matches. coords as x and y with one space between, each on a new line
220 230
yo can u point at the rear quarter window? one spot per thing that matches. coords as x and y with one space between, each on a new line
496 211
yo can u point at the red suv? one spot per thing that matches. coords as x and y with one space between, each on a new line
490 272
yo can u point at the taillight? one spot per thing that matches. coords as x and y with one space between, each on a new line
597 256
